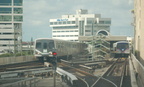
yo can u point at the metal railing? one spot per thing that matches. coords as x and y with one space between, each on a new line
28 82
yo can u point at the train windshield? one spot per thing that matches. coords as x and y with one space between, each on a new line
44 44
38 45
122 46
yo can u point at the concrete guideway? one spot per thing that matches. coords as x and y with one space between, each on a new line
13 60
137 72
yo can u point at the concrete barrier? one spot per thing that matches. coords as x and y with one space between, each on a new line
132 74
12 60
139 69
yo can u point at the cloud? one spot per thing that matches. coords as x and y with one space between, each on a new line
130 2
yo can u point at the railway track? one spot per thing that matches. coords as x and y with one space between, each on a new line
85 79
21 66
116 75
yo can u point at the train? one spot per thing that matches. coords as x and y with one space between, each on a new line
121 49
47 48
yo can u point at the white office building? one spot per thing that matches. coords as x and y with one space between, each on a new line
11 17
70 27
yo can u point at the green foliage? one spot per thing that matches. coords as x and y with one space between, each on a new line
16 54
6 55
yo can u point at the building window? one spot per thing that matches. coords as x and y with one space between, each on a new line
18 10
18 18
51 23
5 18
7 33
60 22
107 22
5 2
18 2
5 10
89 22
73 22
64 22
55 23
68 22
87 30
101 22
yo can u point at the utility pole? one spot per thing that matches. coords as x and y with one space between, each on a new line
54 70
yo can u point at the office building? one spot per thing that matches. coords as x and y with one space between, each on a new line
11 18
70 27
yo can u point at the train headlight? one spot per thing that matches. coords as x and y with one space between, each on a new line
50 53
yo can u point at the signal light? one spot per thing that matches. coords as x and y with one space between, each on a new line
54 53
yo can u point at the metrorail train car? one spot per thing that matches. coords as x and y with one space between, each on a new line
121 49
46 48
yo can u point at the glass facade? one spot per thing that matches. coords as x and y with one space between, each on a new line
18 10
5 10
9 2
62 22
18 18
5 2
5 17
17 2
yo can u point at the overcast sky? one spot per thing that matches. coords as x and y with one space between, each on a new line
36 15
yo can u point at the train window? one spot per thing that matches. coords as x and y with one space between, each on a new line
44 45
123 45
38 45
51 45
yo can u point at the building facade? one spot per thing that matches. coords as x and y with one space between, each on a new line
11 18
139 28
70 27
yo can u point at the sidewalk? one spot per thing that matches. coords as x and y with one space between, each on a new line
49 82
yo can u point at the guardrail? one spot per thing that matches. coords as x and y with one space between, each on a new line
139 69
24 72
26 82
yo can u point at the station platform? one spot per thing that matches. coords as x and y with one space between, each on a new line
49 82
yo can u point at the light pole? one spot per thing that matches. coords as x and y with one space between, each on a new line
54 70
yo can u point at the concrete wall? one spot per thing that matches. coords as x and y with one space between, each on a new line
12 60
139 69
139 27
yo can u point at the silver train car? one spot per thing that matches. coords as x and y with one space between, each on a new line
121 49
46 48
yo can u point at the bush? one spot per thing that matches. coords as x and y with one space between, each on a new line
6 55
17 54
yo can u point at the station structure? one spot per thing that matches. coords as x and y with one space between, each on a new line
11 18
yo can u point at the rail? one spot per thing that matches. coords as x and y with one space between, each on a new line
114 75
